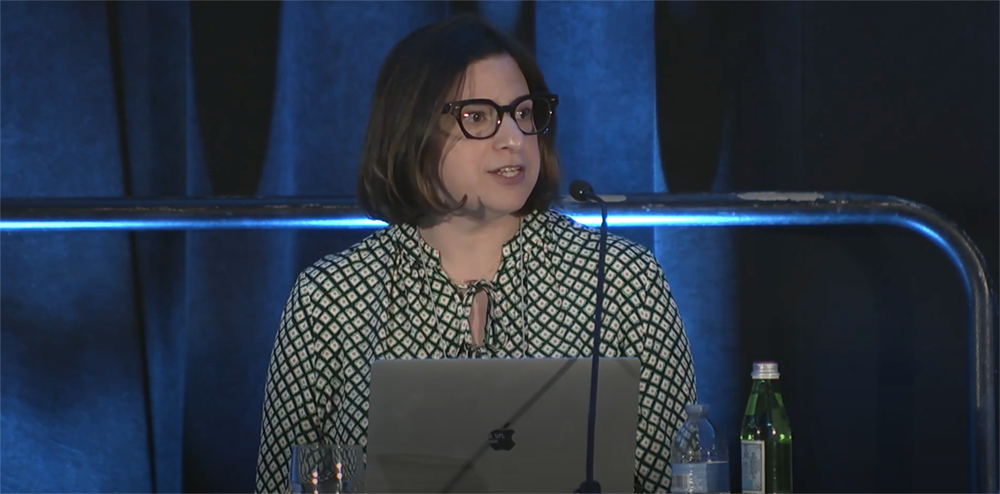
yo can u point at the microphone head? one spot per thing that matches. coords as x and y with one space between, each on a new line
580 190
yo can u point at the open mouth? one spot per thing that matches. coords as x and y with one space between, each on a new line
509 171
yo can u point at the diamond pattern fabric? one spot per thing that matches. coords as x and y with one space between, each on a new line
388 298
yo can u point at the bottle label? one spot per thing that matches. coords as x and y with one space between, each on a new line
752 466
704 477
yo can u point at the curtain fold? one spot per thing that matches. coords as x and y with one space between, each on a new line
164 160
74 415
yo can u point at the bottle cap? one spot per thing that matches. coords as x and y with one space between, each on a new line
765 370
696 409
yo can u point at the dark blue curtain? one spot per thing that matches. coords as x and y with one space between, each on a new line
136 361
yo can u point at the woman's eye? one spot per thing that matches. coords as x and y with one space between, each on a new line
524 113
474 117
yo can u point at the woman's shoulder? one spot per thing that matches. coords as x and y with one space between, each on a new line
573 238
360 266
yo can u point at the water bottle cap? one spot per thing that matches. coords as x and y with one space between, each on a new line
696 409
765 370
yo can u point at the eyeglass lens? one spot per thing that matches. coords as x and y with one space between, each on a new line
532 116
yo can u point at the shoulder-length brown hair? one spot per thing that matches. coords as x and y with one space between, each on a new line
400 178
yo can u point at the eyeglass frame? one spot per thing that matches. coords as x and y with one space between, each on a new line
454 108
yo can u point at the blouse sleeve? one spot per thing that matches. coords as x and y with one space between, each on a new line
297 391
656 336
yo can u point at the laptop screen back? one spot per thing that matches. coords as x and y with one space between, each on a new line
499 425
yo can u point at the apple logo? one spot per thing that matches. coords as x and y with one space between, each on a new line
502 439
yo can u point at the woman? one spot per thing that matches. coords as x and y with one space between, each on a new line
459 159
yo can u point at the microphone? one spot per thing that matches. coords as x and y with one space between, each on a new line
583 191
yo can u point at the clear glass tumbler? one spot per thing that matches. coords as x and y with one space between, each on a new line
327 469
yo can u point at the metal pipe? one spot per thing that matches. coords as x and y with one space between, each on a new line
748 209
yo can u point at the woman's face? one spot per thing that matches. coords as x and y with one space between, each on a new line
499 173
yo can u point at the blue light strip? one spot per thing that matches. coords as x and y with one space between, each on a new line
191 224
627 220
358 222
355 222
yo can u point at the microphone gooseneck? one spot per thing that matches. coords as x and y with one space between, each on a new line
583 191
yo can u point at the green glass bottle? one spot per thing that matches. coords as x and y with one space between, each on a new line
766 435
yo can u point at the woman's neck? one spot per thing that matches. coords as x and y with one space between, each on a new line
470 250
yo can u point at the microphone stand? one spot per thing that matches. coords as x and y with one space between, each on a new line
590 485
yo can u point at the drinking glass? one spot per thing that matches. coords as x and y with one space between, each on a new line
327 469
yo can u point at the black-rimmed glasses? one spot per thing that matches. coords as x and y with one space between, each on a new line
481 118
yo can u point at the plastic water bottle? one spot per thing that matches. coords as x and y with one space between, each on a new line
699 458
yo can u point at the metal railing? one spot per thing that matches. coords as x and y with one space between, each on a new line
705 210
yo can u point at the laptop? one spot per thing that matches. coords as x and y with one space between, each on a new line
499 425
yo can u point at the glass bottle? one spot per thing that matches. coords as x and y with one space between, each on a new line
766 435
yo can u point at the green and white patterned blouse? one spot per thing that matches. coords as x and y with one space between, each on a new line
388 297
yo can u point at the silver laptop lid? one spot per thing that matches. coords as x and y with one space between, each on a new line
499 425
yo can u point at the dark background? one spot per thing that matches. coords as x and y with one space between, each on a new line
136 361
